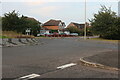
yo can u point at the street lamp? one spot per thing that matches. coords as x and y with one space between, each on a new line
85 23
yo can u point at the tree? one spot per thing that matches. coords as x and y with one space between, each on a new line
13 22
104 23
75 30
10 21
33 24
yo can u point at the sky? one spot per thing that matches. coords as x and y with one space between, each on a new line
67 11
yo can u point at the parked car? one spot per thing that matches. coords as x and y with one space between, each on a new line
38 35
63 35
42 34
49 35
74 34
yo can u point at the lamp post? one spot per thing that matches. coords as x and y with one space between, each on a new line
85 23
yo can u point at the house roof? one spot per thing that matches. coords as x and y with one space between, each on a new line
32 19
51 27
53 23
77 24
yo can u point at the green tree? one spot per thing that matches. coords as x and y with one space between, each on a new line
88 31
75 30
10 21
104 23
33 24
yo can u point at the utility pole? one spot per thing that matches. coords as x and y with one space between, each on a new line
118 8
85 23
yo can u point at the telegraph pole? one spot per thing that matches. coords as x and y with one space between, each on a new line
85 23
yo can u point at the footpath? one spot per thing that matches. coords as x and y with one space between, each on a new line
106 60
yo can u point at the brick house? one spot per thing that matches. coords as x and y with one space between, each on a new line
76 25
79 26
57 25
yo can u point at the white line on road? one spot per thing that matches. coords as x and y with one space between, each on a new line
28 77
66 65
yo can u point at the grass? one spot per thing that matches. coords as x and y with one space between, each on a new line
101 39
4 37
12 34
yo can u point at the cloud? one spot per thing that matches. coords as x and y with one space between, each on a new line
35 3
46 11
59 0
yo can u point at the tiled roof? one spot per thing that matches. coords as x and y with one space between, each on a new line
52 23
51 27
78 25
32 19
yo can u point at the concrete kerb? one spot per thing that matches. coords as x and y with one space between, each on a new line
22 41
34 40
31 41
0 42
16 40
96 65
10 40
39 40
5 43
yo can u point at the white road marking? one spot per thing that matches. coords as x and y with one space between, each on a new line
66 65
28 77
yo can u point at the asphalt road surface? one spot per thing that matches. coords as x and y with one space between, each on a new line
44 59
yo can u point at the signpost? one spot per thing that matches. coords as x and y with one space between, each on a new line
28 30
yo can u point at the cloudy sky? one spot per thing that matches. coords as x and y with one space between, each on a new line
67 11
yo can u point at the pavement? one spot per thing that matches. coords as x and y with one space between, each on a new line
44 59
107 59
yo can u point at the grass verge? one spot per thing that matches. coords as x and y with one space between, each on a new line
101 39
12 34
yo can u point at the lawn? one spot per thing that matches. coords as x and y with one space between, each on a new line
3 36
12 34
104 39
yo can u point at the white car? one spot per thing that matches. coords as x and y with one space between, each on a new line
74 34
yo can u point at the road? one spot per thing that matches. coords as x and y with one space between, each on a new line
43 59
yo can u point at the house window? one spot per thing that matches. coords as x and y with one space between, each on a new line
60 24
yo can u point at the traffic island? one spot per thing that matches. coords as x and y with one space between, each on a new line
106 60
